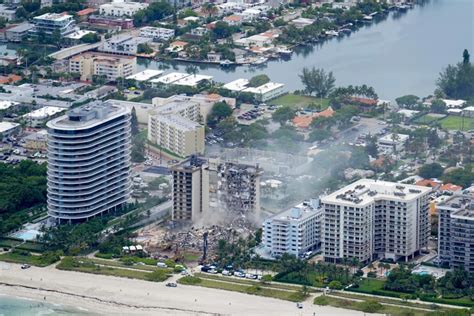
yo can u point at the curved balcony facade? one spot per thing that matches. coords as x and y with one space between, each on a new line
88 162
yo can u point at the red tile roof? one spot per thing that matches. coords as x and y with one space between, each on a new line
364 101
86 11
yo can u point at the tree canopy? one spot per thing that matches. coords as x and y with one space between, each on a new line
283 114
432 170
457 81
317 81
258 80
219 111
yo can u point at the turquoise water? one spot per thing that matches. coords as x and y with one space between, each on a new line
10 306
26 235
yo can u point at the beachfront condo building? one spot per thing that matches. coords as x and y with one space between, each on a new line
206 188
372 219
108 66
294 231
88 162
456 232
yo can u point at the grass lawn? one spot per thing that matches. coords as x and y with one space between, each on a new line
426 119
367 307
456 123
88 266
247 282
29 245
256 289
375 286
18 257
298 101
120 264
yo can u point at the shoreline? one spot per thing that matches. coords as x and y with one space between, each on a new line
100 295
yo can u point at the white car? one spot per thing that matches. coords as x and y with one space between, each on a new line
225 272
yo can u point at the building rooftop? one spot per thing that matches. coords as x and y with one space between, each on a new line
192 80
299 212
53 17
44 112
236 85
6 126
102 56
170 78
270 86
398 138
87 116
78 34
7 104
145 75
20 28
366 191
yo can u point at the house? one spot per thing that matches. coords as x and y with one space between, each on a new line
199 31
251 14
302 22
449 187
233 20
10 79
468 111
84 14
176 46
432 183
304 121
213 56
365 104
454 103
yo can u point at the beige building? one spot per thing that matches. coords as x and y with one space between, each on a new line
177 134
372 219
111 66
190 189
174 126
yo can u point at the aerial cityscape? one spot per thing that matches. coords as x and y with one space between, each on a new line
237 157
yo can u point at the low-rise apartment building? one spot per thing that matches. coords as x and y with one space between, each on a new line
122 8
123 44
157 33
294 231
18 32
372 219
456 232
111 66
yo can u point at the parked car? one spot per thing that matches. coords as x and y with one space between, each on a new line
25 266
171 284
299 305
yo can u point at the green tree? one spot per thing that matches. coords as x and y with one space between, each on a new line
457 81
335 285
407 101
90 38
466 57
144 48
259 80
283 114
438 106
317 81
219 111
134 121
432 170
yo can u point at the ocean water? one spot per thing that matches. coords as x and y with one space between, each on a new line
11 306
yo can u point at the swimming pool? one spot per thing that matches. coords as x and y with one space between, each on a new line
26 234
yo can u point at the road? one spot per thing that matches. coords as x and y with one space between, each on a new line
156 213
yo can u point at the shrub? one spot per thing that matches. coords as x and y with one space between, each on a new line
321 300
157 276
190 280
335 285
369 306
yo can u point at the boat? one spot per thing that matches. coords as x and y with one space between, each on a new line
226 63
284 51
260 61
332 33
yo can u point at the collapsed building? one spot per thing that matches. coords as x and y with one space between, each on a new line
210 190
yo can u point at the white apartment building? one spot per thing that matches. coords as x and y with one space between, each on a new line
123 44
49 23
111 66
372 219
122 8
393 142
157 33
294 231
263 93
88 162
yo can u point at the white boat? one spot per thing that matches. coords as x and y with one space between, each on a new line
260 60
332 33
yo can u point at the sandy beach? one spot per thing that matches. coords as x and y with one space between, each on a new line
119 296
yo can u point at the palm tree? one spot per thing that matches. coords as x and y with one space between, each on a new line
209 8
381 266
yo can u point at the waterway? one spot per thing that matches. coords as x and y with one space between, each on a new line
400 55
